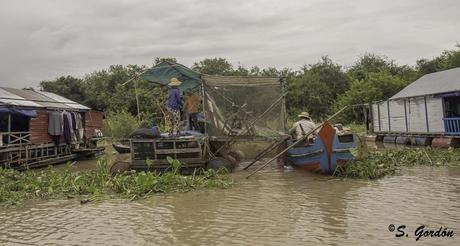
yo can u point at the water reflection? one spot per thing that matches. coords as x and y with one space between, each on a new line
273 208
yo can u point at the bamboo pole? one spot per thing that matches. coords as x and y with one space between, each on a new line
264 152
252 123
137 101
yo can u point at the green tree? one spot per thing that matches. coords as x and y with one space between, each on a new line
66 86
375 87
309 93
371 63
213 66
159 60
315 88
447 60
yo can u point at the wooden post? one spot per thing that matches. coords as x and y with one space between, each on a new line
365 119
9 129
283 105
426 115
405 115
389 117
137 101
203 96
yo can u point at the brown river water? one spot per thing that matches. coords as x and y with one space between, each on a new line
275 207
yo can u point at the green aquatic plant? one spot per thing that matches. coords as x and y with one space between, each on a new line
49 183
376 164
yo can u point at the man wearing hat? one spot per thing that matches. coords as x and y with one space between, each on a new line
303 126
174 106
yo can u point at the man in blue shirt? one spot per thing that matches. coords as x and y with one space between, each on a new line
174 106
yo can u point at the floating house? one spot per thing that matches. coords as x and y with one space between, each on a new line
428 108
25 139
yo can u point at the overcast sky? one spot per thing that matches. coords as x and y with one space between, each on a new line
41 40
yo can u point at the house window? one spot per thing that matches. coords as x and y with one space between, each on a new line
17 132
452 107
19 123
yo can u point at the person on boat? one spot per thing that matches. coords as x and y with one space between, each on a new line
174 106
303 126
191 107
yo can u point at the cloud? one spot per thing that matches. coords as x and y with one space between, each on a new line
44 39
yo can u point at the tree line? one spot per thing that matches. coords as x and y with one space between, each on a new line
320 88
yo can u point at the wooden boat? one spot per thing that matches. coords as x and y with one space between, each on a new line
122 147
327 152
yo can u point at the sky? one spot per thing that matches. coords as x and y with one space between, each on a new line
41 40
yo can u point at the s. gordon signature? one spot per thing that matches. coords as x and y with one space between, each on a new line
422 232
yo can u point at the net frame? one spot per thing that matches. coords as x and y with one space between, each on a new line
275 105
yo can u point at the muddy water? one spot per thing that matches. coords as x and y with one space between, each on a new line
272 208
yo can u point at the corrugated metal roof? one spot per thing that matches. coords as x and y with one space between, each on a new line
9 98
36 99
431 84
217 80
68 102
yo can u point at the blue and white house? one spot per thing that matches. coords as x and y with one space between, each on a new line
428 106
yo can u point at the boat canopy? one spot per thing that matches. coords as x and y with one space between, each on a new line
163 72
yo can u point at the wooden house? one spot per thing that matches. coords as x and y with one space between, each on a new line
25 140
430 107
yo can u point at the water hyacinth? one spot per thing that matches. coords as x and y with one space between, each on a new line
377 164
16 186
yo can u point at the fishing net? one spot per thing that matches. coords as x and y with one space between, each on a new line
244 106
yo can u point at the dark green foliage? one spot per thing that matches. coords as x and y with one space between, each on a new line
49 183
159 60
66 86
213 66
447 60
316 88
377 164
320 88
374 87
120 125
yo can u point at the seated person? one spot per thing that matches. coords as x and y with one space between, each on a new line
302 127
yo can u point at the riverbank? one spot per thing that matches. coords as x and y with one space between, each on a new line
62 183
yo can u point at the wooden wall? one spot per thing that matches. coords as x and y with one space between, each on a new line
93 120
435 114
409 115
397 115
39 128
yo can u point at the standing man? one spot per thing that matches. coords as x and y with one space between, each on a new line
191 107
303 126
174 106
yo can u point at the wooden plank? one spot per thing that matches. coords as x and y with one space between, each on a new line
190 162
178 151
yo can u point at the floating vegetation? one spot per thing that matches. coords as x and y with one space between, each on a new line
377 164
50 183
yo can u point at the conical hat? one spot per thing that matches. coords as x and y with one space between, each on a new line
304 115
174 82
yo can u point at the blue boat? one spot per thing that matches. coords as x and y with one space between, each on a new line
327 152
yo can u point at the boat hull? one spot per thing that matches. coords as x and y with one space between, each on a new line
325 154
121 148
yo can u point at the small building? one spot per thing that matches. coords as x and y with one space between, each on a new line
24 132
430 106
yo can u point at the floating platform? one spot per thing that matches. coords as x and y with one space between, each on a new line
152 154
435 141
445 143
41 155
